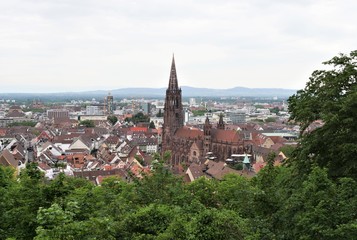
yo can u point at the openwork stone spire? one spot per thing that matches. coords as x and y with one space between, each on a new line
173 85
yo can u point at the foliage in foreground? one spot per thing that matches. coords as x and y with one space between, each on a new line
331 97
274 205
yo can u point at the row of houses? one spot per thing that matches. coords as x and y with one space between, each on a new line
121 150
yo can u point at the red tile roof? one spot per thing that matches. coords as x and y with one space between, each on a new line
7 159
225 135
138 129
186 132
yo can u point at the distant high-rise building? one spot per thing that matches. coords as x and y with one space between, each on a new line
187 116
92 110
237 116
192 101
109 104
57 113
146 107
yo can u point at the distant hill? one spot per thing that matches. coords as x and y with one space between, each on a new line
160 92
205 92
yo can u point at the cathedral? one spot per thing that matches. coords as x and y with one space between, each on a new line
187 144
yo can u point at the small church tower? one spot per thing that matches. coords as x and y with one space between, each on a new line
220 124
173 111
207 136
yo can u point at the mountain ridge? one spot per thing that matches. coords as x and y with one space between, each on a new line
187 91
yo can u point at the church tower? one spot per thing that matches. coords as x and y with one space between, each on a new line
207 136
220 124
173 111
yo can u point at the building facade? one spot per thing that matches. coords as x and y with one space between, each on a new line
57 113
109 104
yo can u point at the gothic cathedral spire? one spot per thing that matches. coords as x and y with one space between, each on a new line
173 111
173 85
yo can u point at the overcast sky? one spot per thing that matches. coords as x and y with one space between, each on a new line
77 45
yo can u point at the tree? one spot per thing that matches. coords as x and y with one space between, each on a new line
270 119
218 224
288 150
146 223
87 123
160 187
159 114
199 112
275 110
204 191
23 200
139 117
152 125
7 180
331 97
329 213
236 193
23 123
112 119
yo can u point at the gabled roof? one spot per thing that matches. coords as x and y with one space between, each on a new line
112 140
87 141
197 144
15 114
61 120
15 107
194 171
186 132
43 166
64 139
218 170
225 135
7 159
139 129
3 132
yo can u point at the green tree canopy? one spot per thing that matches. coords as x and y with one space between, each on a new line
87 123
139 117
112 119
23 123
152 125
159 114
329 96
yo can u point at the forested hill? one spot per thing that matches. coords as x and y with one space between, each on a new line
160 92
312 196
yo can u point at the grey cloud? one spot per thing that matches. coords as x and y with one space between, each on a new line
89 44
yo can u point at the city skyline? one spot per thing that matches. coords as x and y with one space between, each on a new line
60 46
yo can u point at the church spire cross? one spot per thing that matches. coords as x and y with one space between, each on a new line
173 85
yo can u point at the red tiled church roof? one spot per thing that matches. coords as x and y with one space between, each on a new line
225 135
185 132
